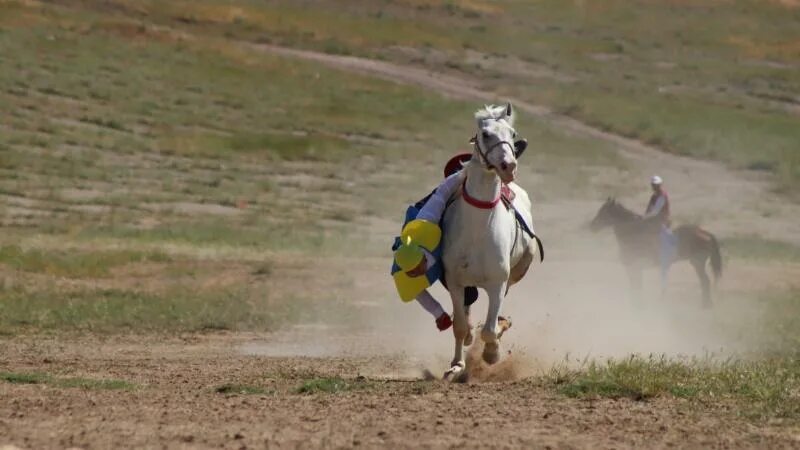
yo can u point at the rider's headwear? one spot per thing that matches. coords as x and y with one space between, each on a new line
456 163
656 180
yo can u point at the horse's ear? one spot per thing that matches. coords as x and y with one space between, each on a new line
509 110
519 147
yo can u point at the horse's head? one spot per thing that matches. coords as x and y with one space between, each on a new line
494 143
605 215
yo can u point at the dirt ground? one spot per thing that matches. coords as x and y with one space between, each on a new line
176 404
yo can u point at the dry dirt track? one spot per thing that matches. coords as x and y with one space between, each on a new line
176 405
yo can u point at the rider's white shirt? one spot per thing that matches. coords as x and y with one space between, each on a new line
434 207
660 202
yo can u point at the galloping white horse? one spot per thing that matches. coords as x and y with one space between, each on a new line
483 244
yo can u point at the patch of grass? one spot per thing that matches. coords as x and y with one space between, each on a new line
177 308
82 383
330 385
86 383
763 389
275 146
243 389
306 236
758 248
23 378
763 385
74 263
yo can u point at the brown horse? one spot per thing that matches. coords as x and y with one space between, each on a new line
638 240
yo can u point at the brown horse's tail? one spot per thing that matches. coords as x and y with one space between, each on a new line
716 257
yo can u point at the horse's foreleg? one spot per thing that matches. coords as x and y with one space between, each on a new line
491 349
635 278
460 329
468 338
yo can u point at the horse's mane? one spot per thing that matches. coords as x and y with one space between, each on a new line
620 211
492 112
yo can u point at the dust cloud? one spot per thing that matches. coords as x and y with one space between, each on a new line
574 306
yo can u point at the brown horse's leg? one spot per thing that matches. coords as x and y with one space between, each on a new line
705 284
635 277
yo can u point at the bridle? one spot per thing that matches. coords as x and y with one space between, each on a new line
482 204
485 155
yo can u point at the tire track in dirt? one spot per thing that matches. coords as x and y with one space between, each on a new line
730 202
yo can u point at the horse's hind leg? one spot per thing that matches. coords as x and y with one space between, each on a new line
705 283
519 271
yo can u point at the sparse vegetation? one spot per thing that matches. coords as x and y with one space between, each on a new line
763 385
755 247
82 383
243 389
330 385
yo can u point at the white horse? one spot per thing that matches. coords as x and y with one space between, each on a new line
483 244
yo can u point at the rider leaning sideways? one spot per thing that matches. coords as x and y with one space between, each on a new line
418 249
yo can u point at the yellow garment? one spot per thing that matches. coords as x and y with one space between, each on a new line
409 288
416 233
409 255
423 233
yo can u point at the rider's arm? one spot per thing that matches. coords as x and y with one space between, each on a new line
434 208
660 201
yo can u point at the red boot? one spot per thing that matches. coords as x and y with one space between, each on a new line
444 322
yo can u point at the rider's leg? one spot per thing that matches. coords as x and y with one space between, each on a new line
667 255
430 304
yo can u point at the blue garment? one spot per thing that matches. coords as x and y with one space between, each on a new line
435 273
668 250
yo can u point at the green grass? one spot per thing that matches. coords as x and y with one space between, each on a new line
754 247
761 389
178 309
672 74
75 263
330 385
762 384
307 237
243 389
82 383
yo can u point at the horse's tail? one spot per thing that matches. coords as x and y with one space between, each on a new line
716 258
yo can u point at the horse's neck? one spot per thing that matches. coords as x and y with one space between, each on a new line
482 184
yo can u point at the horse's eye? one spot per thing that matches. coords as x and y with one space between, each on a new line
485 135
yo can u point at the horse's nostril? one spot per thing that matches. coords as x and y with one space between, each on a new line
504 166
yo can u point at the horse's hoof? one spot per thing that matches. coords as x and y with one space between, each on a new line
453 373
491 353
468 338
503 325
